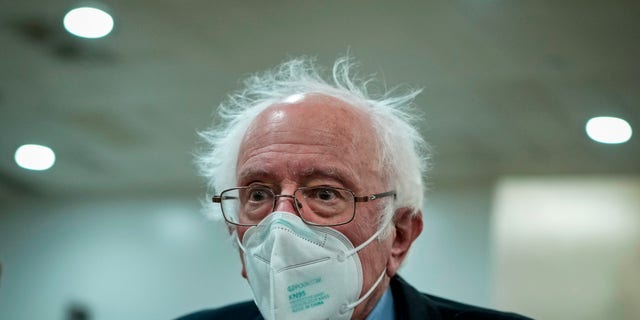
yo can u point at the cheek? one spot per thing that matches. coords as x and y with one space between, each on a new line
356 231
240 231
366 221
363 226
375 255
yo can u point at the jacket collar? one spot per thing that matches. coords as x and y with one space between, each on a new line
410 303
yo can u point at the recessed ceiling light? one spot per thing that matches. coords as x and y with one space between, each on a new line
608 130
88 22
35 157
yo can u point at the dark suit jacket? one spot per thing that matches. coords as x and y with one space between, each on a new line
409 303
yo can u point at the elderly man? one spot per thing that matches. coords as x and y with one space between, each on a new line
321 187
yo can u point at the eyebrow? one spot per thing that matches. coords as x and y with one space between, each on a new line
337 174
322 172
253 173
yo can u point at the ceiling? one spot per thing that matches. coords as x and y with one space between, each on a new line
508 85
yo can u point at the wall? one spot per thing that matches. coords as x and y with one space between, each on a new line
568 247
452 257
122 259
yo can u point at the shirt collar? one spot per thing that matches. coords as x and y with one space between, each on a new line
384 309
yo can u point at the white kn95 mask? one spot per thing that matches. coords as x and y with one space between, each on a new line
300 271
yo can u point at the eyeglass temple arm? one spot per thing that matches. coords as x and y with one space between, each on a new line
218 199
376 196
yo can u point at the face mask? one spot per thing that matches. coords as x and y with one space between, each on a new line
299 271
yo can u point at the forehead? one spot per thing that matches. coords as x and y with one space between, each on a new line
317 134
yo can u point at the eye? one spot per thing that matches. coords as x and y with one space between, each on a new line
326 205
325 194
259 194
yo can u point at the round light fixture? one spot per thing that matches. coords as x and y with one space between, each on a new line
609 130
35 157
87 22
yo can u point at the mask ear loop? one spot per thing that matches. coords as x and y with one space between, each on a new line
343 255
346 307
235 235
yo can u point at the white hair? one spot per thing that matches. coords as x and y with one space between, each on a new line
402 153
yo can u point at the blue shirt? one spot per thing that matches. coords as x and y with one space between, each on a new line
384 309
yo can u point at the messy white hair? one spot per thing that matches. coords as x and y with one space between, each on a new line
402 153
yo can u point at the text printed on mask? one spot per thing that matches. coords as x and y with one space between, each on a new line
303 297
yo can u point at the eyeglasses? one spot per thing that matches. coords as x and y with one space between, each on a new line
322 206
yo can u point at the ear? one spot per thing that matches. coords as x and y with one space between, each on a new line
408 226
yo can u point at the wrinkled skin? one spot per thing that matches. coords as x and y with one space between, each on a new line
321 140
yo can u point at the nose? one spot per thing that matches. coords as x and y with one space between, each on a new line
286 203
